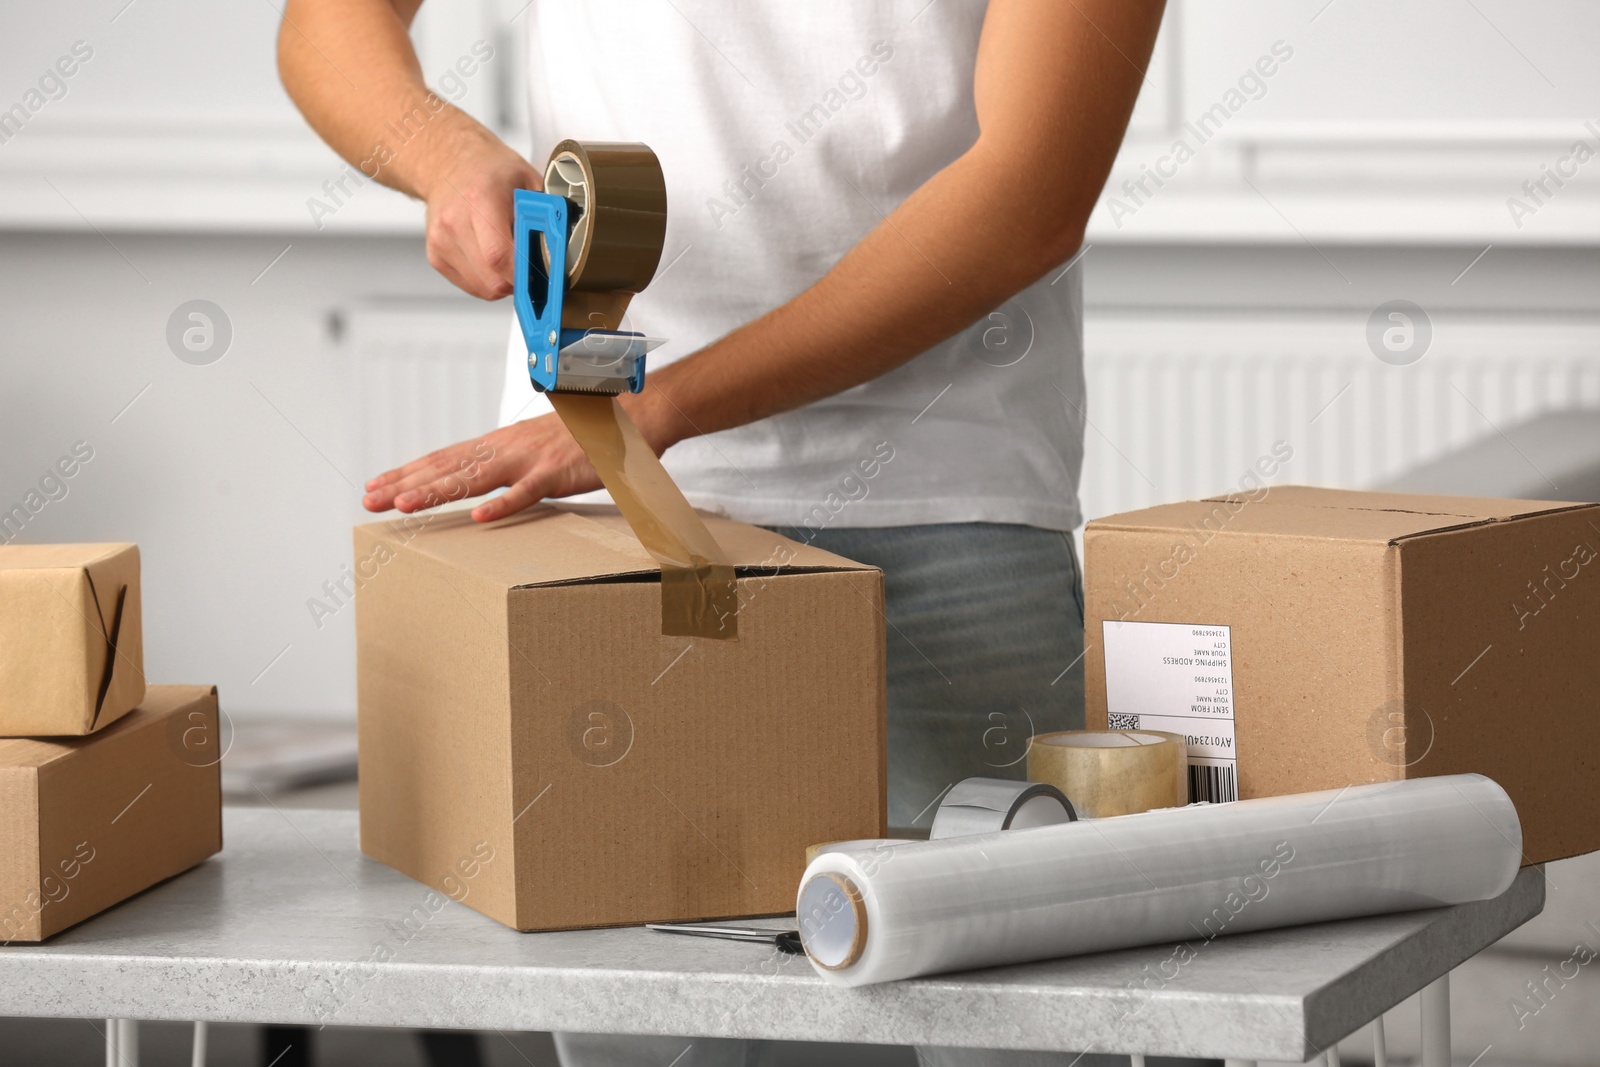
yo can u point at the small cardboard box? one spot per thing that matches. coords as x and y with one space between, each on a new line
87 822
71 641
1312 638
531 745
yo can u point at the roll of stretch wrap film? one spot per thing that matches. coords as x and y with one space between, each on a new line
1113 772
1161 877
619 219
986 805
863 845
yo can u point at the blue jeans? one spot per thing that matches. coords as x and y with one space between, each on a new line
985 647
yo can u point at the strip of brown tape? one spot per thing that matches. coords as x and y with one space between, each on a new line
619 200
698 595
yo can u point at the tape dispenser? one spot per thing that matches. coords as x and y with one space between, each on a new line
584 247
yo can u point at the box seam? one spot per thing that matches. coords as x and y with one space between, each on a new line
1491 521
1476 519
642 572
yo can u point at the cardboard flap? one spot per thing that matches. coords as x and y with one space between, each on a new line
110 630
59 557
581 543
37 751
1421 504
116 630
1328 514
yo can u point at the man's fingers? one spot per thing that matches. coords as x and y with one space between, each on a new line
454 251
428 462
424 474
457 485
490 254
520 495
444 252
466 460
492 224
384 498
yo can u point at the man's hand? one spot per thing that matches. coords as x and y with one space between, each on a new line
535 458
469 214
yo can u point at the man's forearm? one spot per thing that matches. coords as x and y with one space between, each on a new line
957 248
351 69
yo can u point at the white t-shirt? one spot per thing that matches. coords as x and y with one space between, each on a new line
786 131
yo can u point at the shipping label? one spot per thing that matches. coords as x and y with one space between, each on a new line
1177 678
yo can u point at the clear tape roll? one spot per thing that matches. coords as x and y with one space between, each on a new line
988 805
1176 875
1113 772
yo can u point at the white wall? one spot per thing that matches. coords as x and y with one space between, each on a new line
174 169
234 478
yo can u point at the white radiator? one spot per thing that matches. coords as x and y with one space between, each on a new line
426 374
1183 406
1179 405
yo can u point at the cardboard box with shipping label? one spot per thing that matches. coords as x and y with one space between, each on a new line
71 638
533 746
86 822
1309 639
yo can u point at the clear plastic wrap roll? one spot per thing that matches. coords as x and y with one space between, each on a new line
1180 874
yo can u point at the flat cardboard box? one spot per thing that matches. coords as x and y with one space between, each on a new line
1323 638
71 639
87 822
531 745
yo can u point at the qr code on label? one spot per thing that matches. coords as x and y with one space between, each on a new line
1122 722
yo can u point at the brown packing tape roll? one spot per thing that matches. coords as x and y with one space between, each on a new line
619 216
698 594
1113 772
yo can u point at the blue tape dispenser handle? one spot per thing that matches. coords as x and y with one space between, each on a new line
584 247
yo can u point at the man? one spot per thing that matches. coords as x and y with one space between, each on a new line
875 345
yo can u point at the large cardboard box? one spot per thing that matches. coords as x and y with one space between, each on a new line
71 638
532 745
1312 638
87 822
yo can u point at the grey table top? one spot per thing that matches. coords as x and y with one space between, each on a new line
290 924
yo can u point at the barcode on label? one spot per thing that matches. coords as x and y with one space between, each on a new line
1122 722
1216 784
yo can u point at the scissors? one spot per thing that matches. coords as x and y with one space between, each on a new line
785 940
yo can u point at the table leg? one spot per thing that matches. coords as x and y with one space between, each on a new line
286 1046
1436 1023
445 1048
122 1043
1380 1044
197 1056
1239 1063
